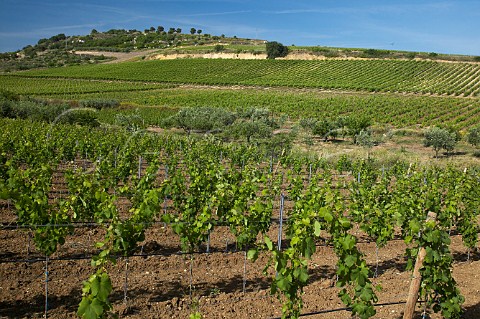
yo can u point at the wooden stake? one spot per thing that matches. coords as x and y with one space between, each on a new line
416 278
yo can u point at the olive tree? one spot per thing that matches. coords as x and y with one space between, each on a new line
473 136
356 124
365 139
253 122
439 138
249 129
202 119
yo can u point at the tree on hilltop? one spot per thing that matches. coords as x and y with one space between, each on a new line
276 50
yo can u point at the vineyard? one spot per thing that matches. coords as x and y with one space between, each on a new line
113 204
396 110
105 221
404 76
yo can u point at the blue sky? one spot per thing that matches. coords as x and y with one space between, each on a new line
427 26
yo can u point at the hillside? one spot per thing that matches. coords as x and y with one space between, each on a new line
97 47
392 90
60 50
418 77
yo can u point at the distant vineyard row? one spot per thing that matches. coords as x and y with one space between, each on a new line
400 111
422 77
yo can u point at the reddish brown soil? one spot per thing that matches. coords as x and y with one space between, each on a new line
158 286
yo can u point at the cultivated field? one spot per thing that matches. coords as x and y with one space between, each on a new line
172 225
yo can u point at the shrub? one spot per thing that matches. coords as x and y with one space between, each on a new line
131 122
308 123
201 118
219 48
100 104
82 117
4 94
6 109
373 53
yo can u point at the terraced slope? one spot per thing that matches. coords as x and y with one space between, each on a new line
405 76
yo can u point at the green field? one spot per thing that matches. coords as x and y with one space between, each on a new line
397 92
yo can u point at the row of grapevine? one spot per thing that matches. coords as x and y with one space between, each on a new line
62 87
208 184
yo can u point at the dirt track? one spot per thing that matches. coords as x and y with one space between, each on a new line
119 56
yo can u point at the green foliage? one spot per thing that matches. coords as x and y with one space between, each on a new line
195 315
57 56
99 103
357 124
253 123
196 202
250 129
308 123
219 48
438 284
8 95
85 117
473 136
318 209
212 183
438 139
373 53
131 122
326 128
6 108
37 110
95 291
247 212
201 118
276 50
28 189
365 139
371 208
48 111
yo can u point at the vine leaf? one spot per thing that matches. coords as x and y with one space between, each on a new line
317 228
252 254
90 309
269 243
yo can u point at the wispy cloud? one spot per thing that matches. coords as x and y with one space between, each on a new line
207 14
310 10
71 27
361 9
